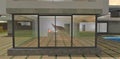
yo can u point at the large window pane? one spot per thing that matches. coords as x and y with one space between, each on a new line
47 31
55 31
84 30
25 30
63 31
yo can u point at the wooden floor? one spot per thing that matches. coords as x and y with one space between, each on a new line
110 49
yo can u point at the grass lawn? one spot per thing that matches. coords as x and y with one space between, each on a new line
24 33
3 33
24 37
84 34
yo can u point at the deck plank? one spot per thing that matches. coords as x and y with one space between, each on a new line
77 57
44 42
48 57
63 57
104 55
33 57
19 57
106 46
5 57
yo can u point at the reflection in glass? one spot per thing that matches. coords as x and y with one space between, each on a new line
47 32
101 27
63 31
25 30
84 30
55 31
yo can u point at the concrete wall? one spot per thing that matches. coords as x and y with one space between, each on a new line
114 27
2 7
97 4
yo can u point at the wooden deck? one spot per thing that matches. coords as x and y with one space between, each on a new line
110 49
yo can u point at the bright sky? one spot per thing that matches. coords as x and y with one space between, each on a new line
114 2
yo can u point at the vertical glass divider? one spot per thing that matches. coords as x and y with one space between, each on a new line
38 19
55 32
13 37
96 31
71 30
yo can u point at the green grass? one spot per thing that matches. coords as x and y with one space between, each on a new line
3 32
24 33
25 36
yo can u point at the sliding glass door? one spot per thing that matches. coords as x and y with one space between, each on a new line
55 31
47 31
63 31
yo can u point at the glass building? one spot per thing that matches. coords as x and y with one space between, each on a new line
55 27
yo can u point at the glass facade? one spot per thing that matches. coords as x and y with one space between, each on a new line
25 33
84 30
102 27
54 31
